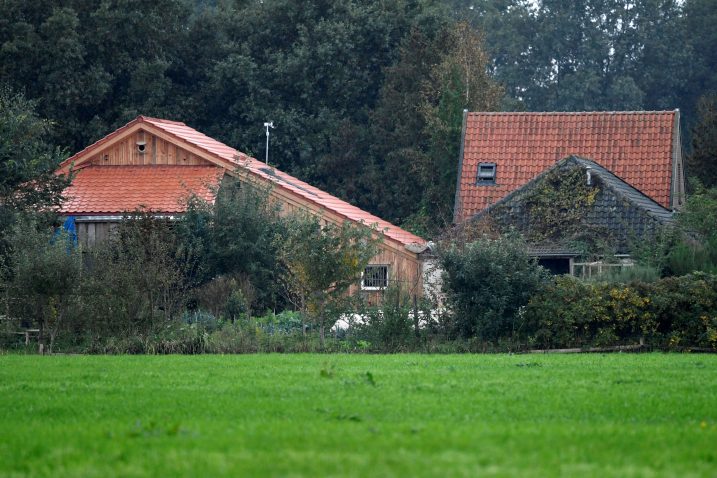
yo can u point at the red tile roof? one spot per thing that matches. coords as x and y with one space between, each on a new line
98 190
231 159
636 146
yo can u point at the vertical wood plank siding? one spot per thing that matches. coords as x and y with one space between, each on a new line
157 151
91 233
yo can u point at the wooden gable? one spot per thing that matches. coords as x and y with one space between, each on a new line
140 145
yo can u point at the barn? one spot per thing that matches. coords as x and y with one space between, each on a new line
156 164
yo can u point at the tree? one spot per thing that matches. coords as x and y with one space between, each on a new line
397 141
698 26
486 283
235 237
322 262
27 164
415 129
702 162
41 278
139 278
93 66
696 247
589 54
459 82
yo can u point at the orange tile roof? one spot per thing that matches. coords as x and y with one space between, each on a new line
231 159
98 190
636 146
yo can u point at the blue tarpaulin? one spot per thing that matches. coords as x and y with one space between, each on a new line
70 228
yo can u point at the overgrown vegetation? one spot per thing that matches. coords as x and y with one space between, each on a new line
691 245
487 283
674 313
374 120
322 261
40 279
146 290
238 238
28 184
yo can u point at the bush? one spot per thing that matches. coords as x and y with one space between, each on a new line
696 249
685 310
236 238
672 313
322 261
573 313
486 283
138 280
625 275
388 328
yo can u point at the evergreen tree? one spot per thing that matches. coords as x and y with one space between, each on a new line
702 162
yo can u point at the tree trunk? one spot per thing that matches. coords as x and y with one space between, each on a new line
53 332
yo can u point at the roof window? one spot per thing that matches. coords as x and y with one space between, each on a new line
486 173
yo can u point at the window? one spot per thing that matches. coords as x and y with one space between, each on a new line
374 277
486 173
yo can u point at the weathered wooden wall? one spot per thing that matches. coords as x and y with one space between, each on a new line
404 272
91 233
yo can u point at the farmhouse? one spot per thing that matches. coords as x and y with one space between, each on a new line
575 207
574 184
156 164
501 152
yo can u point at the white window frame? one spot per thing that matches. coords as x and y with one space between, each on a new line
388 277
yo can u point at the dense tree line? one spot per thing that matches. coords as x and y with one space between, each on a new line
366 95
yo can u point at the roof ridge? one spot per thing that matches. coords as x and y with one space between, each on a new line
150 166
569 113
161 120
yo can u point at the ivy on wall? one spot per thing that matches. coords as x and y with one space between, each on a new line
560 210
554 208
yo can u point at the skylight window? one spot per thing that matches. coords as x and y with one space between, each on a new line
486 173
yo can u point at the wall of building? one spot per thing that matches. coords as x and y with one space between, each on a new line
157 151
91 233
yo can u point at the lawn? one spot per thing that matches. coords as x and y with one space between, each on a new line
359 415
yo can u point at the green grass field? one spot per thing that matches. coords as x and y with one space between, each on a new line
359 415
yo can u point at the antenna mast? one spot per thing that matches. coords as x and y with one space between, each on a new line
267 125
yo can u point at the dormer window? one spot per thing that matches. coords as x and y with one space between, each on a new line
486 173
